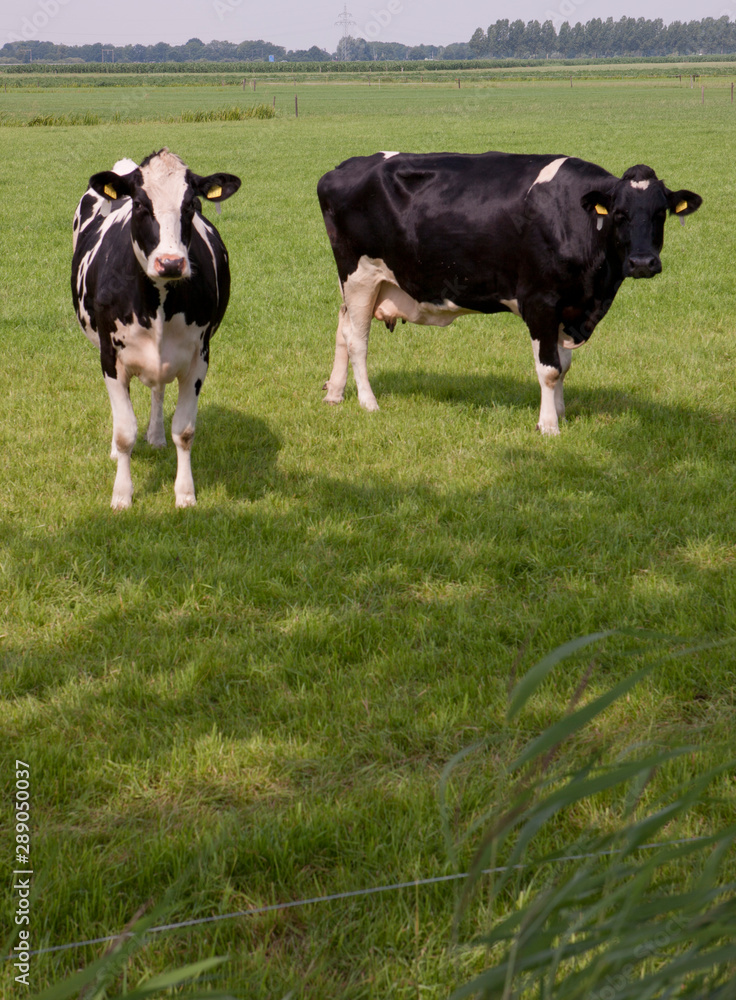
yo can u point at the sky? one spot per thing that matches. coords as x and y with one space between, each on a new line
298 25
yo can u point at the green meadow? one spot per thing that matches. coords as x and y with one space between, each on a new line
254 699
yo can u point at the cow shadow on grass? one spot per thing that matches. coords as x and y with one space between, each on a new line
254 605
490 390
232 450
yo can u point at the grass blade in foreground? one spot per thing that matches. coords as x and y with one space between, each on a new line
628 923
97 980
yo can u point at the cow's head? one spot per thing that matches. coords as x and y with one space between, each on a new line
632 212
165 194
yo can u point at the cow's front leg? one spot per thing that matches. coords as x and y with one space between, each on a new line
156 435
124 431
335 385
552 363
182 430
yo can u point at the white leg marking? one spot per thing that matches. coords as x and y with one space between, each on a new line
549 378
356 331
182 431
360 293
335 385
156 435
124 431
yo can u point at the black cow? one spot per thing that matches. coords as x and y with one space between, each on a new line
427 237
150 284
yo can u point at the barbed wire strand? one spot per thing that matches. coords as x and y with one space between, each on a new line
351 893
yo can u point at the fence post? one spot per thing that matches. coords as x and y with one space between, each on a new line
702 94
296 106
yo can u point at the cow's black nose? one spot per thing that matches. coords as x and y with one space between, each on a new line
643 266
169 266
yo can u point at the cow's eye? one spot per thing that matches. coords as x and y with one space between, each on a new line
620 216
138 205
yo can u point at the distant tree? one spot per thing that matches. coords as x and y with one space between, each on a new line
577 38
457 50
314 54
360 50
594 37
498 39
388 50
194 49
533 39
478 43
549 39
564 42
516 38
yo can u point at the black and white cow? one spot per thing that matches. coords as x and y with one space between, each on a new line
150 284
428 237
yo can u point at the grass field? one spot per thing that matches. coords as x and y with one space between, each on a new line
273 681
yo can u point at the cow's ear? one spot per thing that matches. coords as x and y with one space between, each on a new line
683 203
112 186
216 187
596 202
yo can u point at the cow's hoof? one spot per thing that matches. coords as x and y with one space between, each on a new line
369 404
155 441
187 500
333 397
550 429
121 501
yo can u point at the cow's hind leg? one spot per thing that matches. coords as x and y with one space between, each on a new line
156 435
183 425
124 431
335 385
360 299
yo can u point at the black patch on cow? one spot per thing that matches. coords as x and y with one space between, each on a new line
198 386
205 348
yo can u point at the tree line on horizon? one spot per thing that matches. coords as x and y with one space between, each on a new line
504 39
599 39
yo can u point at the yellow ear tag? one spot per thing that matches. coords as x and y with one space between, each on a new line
681 206
215 191
601 210
110 192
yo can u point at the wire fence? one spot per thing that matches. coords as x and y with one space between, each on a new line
336 896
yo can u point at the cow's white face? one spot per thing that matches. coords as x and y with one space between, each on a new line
164 194
161 219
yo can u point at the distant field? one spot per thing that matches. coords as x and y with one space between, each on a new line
278 676
378 95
